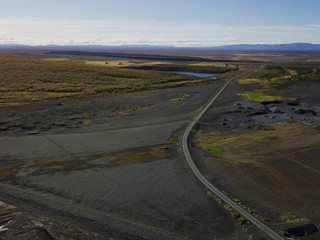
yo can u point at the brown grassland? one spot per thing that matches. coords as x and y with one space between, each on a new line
27 79
265 162
273 169
284 74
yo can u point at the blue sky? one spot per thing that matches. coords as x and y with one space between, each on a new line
165 22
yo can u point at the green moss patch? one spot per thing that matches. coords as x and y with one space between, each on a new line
215 150
256 94
272 138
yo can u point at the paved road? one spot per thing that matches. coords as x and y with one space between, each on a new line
235 206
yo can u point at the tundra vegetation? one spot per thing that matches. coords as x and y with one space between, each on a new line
278 76
282 75
26 79
274 149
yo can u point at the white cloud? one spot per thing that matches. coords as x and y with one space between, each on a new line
36 31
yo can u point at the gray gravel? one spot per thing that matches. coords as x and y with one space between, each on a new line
32 148
156 193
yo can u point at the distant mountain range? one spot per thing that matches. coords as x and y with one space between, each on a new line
239 47
272 47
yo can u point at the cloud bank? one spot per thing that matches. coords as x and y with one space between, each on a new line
35 31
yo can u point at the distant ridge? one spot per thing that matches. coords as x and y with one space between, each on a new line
238 47
272 47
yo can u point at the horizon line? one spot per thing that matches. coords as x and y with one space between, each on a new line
157 45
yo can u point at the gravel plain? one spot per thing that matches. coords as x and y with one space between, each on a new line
109 167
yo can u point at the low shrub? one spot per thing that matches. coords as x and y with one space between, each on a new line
215 150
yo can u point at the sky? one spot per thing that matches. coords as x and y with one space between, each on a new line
180 23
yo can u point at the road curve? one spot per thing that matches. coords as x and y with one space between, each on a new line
186 152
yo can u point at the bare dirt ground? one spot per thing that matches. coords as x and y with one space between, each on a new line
106 167
266 156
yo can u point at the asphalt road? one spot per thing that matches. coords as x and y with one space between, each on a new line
186 152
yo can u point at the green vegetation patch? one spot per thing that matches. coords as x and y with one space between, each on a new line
245 111
282 75
260 96
186 68
272 138
292 121
268 128
72 167
269 72
252 124
288 217
215 150
303 72
257 94
242 220
235 215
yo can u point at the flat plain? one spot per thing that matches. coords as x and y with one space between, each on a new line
90 145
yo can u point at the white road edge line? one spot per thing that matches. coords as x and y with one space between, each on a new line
213 189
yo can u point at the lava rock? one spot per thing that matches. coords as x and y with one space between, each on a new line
305 111
13 125
271 102
244 125
272 109
27 126
245 105
293 103
3 128
34 233
302 231
257 127
278 111
33 133
45 127
58 124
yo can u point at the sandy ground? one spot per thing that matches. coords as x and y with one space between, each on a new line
108 167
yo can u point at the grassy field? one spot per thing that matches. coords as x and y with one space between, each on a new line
188 67
260 96
277 76
282 75
26 79
263 160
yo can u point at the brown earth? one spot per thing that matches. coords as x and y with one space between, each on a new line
272 168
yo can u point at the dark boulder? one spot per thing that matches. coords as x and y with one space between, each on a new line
34 233
305 111
257 127
271 102
27 126
302 231
293 103
3 128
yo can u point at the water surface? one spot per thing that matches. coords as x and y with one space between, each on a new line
196 74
